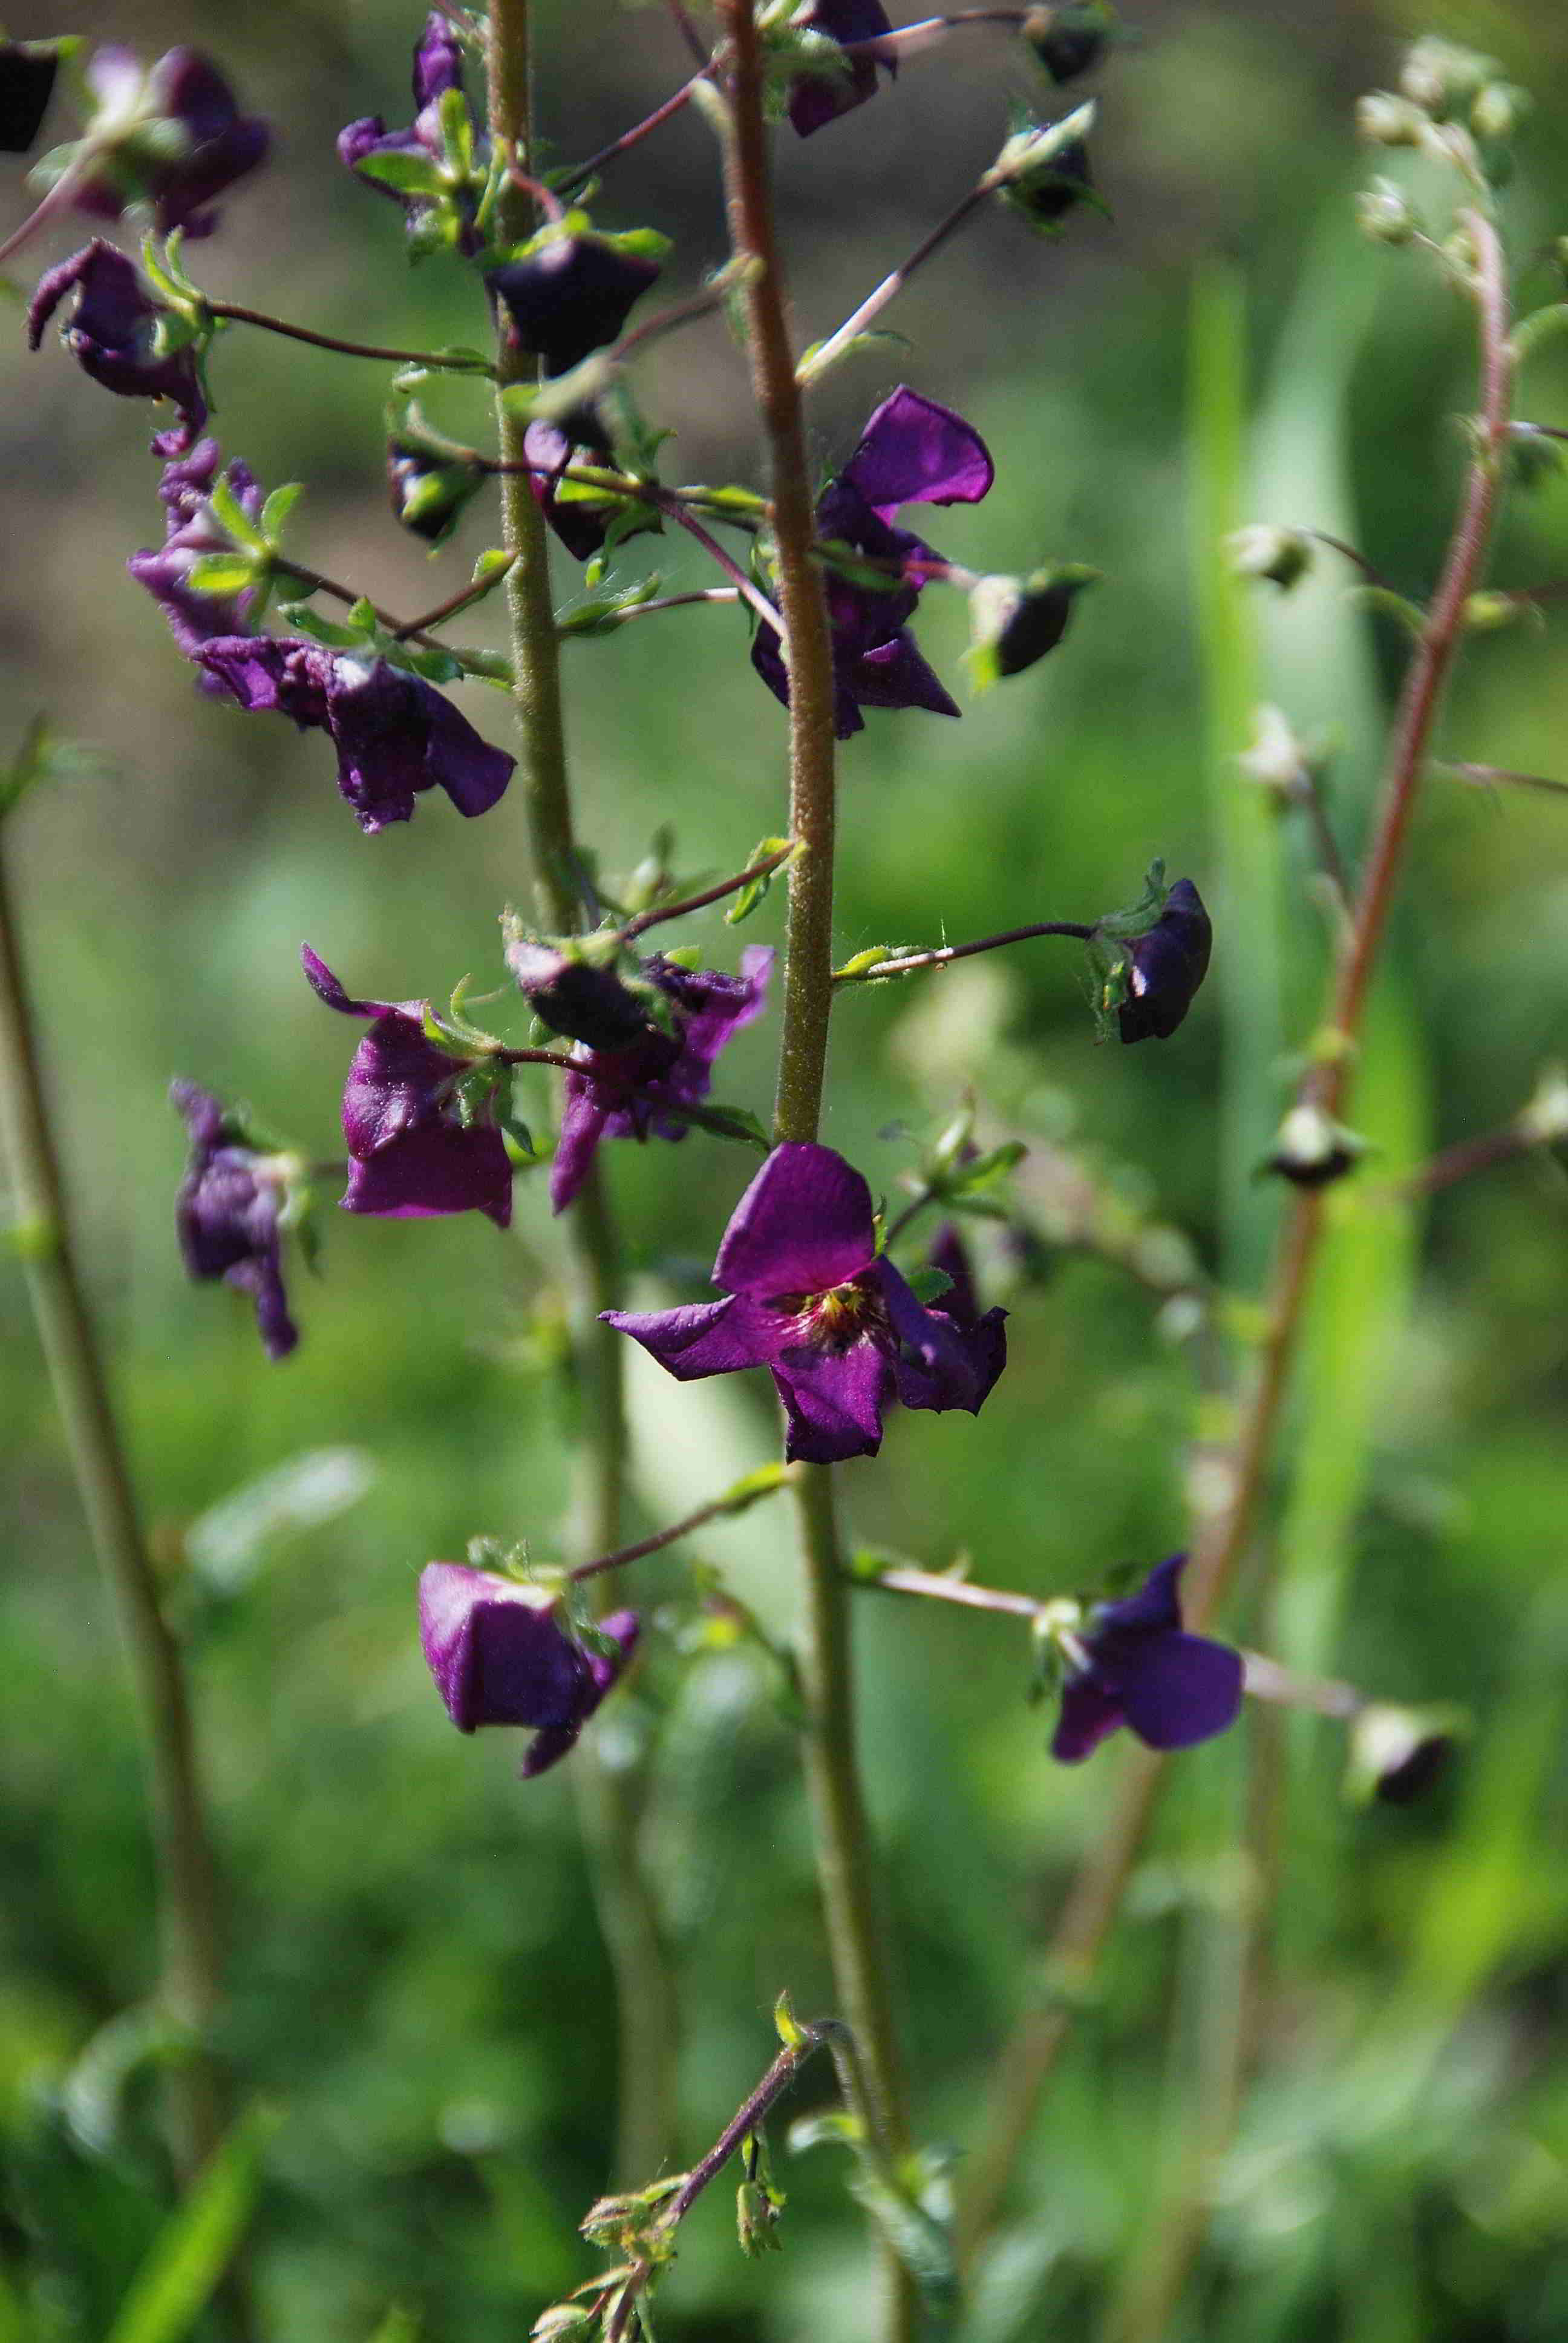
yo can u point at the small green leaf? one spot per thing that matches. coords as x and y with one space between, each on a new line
275 512
864 961
232 517
751 1486
406 175
220 573
725 1122
492 565
304 619
752 893
435 666
928 1284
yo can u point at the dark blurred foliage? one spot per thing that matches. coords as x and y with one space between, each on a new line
419 1984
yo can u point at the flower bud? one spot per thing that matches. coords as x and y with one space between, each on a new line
1045 171
567 296
1397 1753
1497 110
1443 79
1311 1149
1014 621
1277 761
428 493
573 998
1165 966
1385 214
1384 120
1070 40
1281 555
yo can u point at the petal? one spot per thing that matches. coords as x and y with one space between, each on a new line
1090 1710
583 1119
706 1338
1154 1610
915 451
804 1224
897 675
326 987
940 1363
474 774
833 1403
548 1747
437 1170
497 1652
1179 1689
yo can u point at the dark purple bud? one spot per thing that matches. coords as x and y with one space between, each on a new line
175 139
192 530
580 527
1313 1149
111 331
810 1297
27 71
1397 1754
1070 40
1015 621
429 492
573 998
570 296
394 734
1166 966
818 98
227 1213
1133 1662
500 1655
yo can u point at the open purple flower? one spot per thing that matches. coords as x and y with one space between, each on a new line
500 1655
411 1156
912 451
809 1296
438 68
112 334
629 1093
179 140
1167 966
228 1214
1133 1662
817 99
394 733
570 296
192 530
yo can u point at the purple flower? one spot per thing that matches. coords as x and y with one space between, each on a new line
500 1655
817 99
438 68
184 139
569 295
27 71
580 525
112 334
810 1297
573 998
617 1094
411 1156
394 733
912 451
191 531
1167 965
1133 1664
227 1214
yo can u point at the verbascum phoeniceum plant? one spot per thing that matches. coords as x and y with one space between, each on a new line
852 1311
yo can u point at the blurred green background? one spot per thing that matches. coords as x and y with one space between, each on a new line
418 1986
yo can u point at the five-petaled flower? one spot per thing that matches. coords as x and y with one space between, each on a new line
192 530
818 98
637 1092
394 733
170 135
1165 966
1133 1662
500 1655
228 1213
410 1153
437 68
809 1296
112 334
912 451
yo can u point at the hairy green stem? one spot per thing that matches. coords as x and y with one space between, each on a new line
608 1798
1030 2054
191 1960
844 1856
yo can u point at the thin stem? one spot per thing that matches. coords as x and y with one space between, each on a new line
661 911
608 1800
649 609
312 582
1266 1680
419 628
665 502
1373 576
191 1958
1465 1158
661 1538
908 966
671 107
844 1857
1030 2054
236 314
892 284
1485 777
57 200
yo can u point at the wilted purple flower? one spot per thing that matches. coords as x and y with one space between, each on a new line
192 530
810 1297
429 491
1167 966
27 71
438 68
175 139
1133 1664
575 997
569 296
500 1655
912 451
394 733
580 525
817 99
227 1214
619 1094
961 1302
411 1156
110 332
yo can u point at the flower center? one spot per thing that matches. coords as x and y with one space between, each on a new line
834 1320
